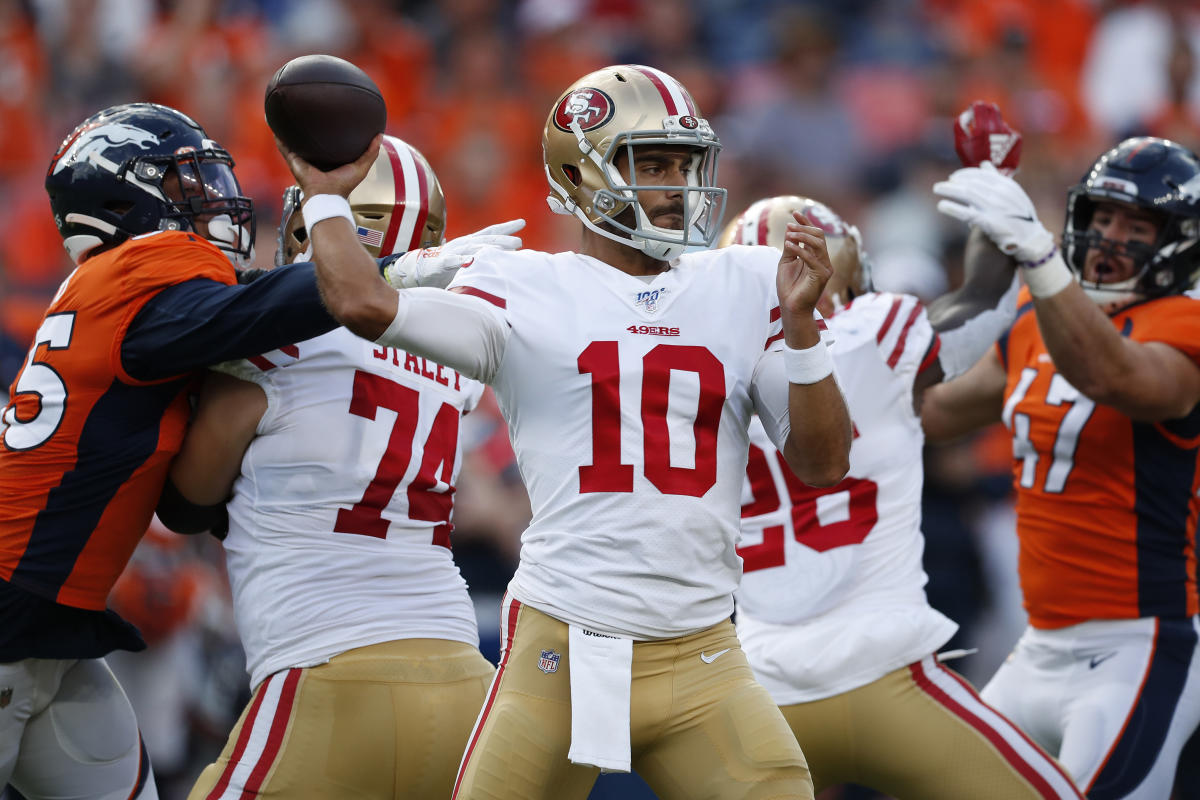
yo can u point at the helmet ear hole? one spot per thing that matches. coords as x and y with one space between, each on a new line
572 173
118 207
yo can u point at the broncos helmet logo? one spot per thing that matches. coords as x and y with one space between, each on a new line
1189 191
92 143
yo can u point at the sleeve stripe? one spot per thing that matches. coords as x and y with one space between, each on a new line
899 349
772 340
499 302
776 314
887 321
931 355
261 362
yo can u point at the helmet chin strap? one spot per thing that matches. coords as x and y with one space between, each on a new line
233 240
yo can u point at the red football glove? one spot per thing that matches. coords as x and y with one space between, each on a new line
981 134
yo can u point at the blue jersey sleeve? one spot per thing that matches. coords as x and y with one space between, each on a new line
202 322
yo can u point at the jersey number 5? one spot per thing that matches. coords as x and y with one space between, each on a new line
372 392
43 382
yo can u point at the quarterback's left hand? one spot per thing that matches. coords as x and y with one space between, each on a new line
436 266
805 267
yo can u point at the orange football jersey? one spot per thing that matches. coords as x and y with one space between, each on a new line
87 446
1106 506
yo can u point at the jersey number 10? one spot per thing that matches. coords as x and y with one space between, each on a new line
606 473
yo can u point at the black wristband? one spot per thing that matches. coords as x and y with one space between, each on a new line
183 516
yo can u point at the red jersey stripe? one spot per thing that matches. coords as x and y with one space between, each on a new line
887 321
931 355
898 350
499 302
261 362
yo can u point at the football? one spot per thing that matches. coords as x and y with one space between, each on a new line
324 109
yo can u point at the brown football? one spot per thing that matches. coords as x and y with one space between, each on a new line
324 109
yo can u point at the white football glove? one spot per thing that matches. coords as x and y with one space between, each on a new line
996 204
436 266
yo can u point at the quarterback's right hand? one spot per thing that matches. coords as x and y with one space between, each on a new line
340 181
996 204
436 266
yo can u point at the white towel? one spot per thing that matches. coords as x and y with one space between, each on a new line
601 673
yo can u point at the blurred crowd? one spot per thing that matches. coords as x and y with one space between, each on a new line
848 101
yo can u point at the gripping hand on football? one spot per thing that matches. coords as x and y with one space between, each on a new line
436 266
996 204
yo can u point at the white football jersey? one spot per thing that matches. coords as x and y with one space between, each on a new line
832 594
339 524
627 402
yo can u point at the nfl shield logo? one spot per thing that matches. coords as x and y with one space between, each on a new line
5 697
548 662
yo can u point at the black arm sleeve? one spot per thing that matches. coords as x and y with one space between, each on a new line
202 322
183 516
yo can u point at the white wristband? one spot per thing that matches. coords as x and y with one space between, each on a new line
1049 277
810 365
325 206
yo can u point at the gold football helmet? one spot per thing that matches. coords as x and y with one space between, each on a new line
624 107
765 223
398 207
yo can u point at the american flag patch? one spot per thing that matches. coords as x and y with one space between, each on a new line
369 237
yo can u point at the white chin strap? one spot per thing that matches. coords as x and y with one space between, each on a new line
662 251
231 239
1114 296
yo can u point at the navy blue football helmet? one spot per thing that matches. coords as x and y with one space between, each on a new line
1153 174
141 167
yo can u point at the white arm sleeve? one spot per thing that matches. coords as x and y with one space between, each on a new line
769 392
462 332
966 344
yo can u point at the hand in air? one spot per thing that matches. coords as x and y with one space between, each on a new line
805 267
341 180
997 205
436 266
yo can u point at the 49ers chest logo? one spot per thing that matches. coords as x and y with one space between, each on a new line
591 108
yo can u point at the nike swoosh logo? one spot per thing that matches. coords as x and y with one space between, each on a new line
707 659
1098 660
1025 217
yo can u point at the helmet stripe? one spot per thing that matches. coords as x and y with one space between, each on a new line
411 196
676 99
389 239
422 204
761 229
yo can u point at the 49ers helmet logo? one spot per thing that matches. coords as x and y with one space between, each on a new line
591 108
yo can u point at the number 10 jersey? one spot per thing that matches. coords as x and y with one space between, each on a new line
627 402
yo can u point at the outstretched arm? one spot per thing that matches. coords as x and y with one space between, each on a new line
971 318
971 401
1148 381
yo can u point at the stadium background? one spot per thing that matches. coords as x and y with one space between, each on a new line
848 101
